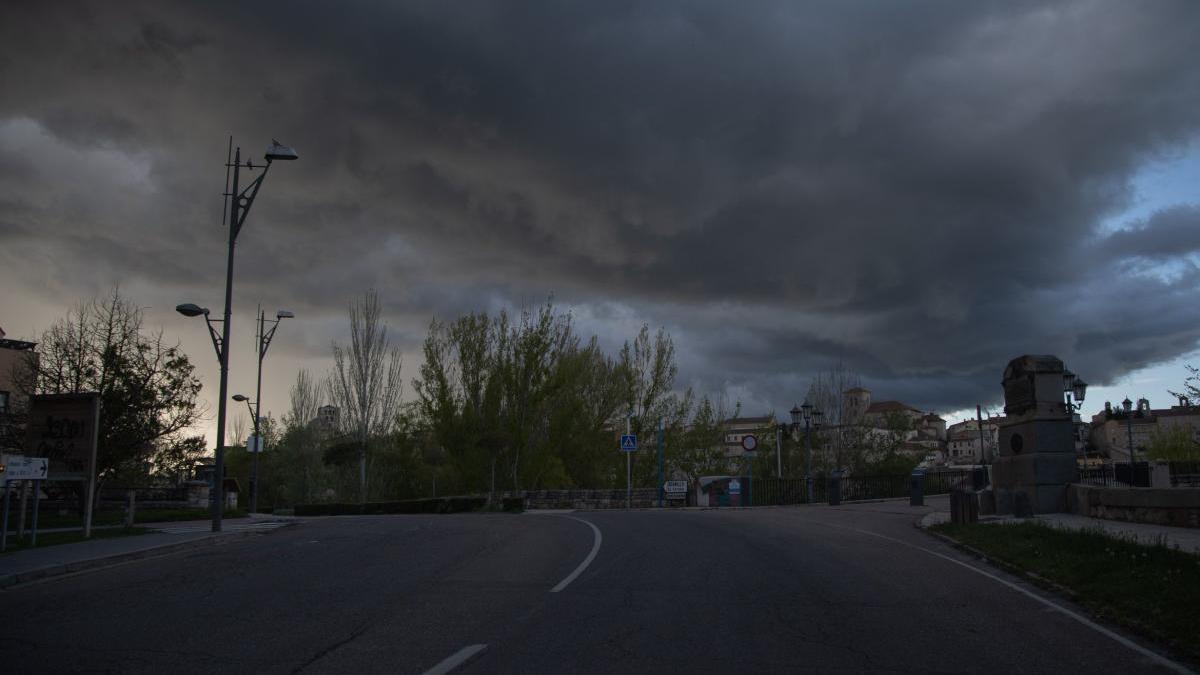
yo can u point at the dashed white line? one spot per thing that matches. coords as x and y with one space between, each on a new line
586 561
456 659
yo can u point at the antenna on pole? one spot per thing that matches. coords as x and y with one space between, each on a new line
226 194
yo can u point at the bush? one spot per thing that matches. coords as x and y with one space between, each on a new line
513 504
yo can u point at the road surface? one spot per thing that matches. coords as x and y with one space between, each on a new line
773 590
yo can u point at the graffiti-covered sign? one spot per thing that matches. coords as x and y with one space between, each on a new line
62 427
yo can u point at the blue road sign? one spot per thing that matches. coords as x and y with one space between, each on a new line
628 443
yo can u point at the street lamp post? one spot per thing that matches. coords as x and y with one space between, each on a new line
264 341
810 416
239 207
1127 405
779 450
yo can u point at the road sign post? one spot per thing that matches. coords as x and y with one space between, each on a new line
4 525
628 446
660 463
749 446
18 469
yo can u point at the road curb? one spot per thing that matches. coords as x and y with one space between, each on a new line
8 581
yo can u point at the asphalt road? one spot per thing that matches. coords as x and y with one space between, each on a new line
803 589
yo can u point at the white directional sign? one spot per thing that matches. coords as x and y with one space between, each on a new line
254 443
735 487
676 489
628 443
749 443
19 467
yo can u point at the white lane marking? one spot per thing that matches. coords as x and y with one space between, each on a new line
1157 658
455 660
586 561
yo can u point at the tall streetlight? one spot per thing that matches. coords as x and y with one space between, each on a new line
810 416
239 207
264 341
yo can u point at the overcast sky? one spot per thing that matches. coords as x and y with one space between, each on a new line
919 190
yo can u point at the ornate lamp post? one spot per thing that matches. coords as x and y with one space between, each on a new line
811 417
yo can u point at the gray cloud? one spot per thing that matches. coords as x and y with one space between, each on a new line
915 190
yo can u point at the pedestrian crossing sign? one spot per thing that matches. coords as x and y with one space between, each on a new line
628 443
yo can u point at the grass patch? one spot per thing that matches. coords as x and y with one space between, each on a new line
56 538
1152 589
47 521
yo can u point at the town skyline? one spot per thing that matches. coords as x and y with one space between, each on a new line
805 204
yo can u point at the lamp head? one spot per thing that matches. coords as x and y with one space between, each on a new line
240 398
277 150
284 314
1080 388
190 309
1068 380
795 412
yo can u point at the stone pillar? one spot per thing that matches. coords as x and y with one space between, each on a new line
1037 446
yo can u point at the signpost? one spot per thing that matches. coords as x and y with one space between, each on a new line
65 428
676 489
21 468
749 446
628 446
18 467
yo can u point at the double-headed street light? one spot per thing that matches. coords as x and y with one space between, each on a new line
239 207
811 417
1073 386
263 341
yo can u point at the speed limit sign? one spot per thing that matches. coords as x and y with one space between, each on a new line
749 443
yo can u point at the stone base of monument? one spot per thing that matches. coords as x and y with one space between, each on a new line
987 502
1024 501
1040 468
1036 439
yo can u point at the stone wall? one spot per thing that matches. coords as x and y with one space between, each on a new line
1160 506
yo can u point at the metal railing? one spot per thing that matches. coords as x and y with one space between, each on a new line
1184 474
783 491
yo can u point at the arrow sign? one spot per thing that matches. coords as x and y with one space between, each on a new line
628 443
19 467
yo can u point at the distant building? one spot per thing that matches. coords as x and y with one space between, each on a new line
964 446
328 420
1112 427
18 362
737 428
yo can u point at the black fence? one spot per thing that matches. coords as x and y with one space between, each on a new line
1117 475
1185 474
782 491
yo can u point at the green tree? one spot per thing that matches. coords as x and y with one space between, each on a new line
147 387
1175 443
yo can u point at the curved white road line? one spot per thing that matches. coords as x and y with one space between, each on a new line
1153 656
586 561
455 660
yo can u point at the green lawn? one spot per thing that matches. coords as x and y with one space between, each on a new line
56 538
1152 589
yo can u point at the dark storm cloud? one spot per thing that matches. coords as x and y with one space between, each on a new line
913 189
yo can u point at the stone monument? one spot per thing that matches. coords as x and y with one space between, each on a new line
1036 446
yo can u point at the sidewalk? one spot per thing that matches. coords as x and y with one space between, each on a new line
1184 538
28 565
